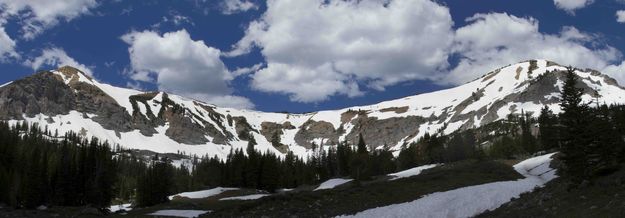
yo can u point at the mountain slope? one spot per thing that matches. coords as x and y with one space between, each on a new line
66 99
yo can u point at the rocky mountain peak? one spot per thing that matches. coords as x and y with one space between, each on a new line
72 74
168 123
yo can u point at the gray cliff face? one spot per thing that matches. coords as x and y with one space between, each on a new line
47 93
68 89
386 132
311 130
37 94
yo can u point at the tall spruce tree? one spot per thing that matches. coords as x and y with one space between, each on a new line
547 132
360 161
575 121
528 142
603 150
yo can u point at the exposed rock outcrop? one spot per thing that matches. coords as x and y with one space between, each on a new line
387 132
511 89
311 130
40 93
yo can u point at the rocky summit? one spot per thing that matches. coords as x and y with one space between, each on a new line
66 100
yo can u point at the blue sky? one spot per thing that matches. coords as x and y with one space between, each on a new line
305 55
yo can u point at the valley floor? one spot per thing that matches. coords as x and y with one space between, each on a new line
460 189
349 198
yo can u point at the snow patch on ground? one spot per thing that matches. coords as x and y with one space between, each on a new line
411 172
179 213
538 168
472 200
115 208
331 183
202 194
245 197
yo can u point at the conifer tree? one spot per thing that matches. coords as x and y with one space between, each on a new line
359 162
362 146
575 121
252 166
407 157
528 143
547 129
155 185
343 156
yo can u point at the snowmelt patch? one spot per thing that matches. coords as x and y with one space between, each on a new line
115 208
472 200
179 213
331 183
411 172
245 197
202 194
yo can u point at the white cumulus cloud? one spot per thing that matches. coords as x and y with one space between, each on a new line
34 17
7 46
181 65
493 40
620 16
317 48
572 5
55 58
616 71
37 15
237 6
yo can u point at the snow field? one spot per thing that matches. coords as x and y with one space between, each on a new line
472 200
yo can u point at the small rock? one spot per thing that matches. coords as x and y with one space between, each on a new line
42 207
593 207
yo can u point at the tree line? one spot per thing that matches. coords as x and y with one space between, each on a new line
267 171
35 170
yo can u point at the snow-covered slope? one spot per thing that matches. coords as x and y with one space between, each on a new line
472 200
67 100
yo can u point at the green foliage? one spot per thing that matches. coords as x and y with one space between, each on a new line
527 141
36 170
155 184
592 141
504 148
548 131
575 119
408 157
267 171
360 161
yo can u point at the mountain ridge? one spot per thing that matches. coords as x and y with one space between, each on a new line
68 100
